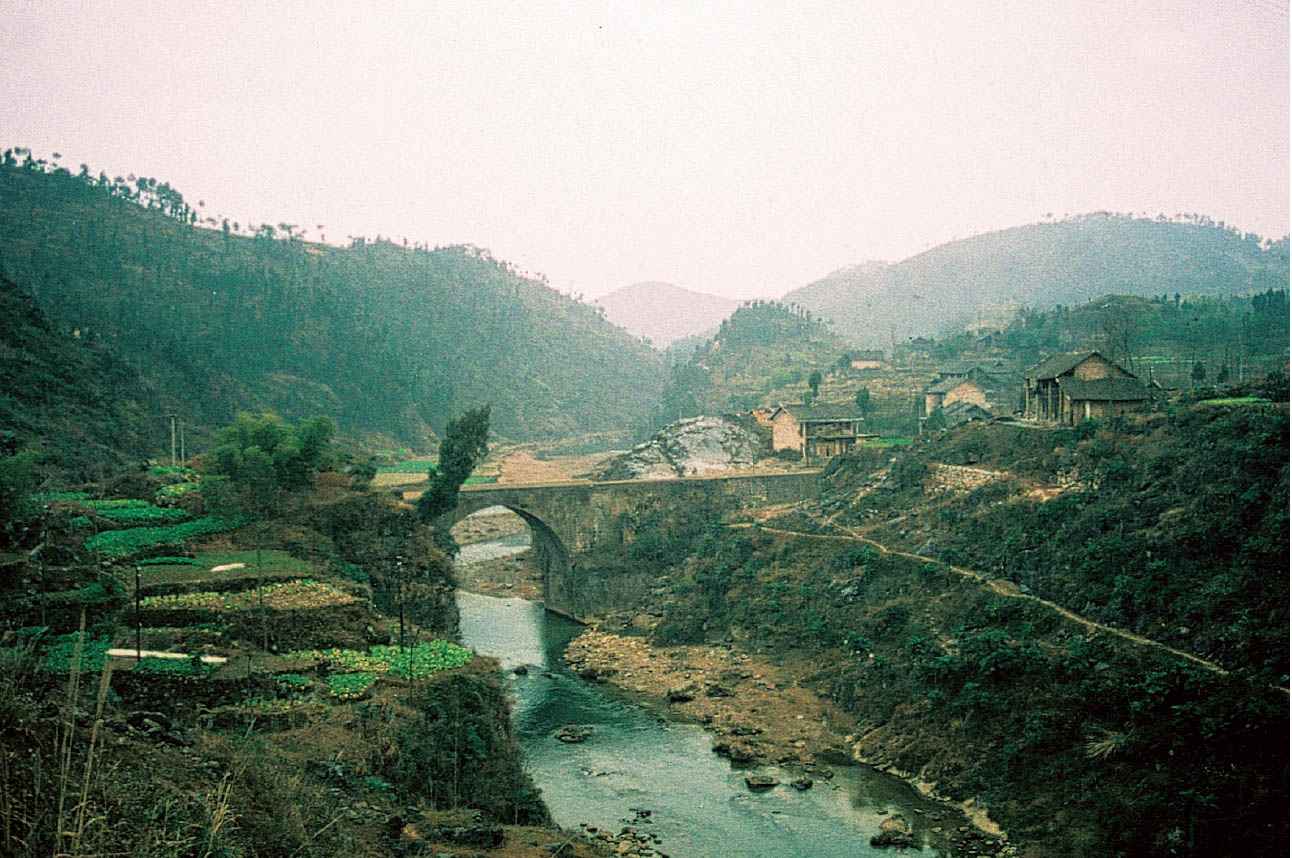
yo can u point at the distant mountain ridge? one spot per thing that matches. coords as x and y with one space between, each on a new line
1041 265
663 312
385 339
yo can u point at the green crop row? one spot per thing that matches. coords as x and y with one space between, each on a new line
175 490
138 516
350 686
169 561
101 506
279 596
408 466
294 681
56 497
415 662
172 471
60 653
123 543
193 667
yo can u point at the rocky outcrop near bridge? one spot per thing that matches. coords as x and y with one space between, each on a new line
691 447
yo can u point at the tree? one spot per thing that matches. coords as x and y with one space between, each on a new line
261 454
863 401
466 442
1199 374
18 479
814 382
936 421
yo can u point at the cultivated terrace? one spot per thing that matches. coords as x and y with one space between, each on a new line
211 661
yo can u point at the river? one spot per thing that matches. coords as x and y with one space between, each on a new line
698 801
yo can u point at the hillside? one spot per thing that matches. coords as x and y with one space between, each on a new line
763 347
85 408
663 312
384 338
989 276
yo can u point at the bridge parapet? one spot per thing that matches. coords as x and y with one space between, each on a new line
569 519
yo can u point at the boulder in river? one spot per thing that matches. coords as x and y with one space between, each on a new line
760 783
573 734
681 694
894 831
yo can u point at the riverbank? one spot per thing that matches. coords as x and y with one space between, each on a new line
760 713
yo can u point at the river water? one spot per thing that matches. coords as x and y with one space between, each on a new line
699 803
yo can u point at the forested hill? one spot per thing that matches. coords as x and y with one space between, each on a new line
1040 265
85 409
381 337
764 346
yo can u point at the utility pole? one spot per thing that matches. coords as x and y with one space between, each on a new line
173 460
399 572
139 624
183 456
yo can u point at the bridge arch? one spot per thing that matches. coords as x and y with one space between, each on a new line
548 549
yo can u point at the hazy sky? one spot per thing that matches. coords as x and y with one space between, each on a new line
743 149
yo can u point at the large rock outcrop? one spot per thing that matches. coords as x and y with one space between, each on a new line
697 445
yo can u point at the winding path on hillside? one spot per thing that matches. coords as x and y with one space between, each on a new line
1002 588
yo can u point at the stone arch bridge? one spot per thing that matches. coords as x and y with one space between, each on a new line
569 520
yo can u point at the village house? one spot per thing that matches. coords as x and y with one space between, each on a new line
815 432
984 388
1069 388
866 360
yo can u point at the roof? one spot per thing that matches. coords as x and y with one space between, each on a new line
944 385
871 354
819 413
963 412
1111 389
1057 365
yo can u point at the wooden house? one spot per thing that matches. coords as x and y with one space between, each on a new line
975 384
1069 388
815 432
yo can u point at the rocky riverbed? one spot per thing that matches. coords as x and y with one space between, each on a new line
759 714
